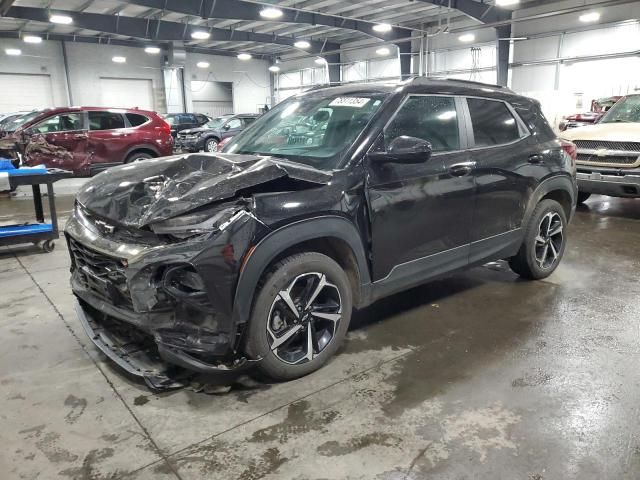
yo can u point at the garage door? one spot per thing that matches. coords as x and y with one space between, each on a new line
213 109
126 93
25 92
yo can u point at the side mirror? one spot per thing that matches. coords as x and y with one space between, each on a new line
404 149
226 126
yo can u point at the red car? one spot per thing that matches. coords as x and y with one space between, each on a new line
86 140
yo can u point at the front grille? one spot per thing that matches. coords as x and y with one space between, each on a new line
598 145
100 274
621 161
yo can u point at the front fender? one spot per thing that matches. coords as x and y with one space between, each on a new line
279 240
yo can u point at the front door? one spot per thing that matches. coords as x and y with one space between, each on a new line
59 141
420 213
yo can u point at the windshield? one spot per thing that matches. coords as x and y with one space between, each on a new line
15 123
216 122
314 129
626 110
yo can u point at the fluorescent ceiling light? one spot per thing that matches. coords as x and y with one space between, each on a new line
274 68
200 35
244 56
202 64
32 39
152 50
590 17
118 59
320 61
504 3
513 39
383 51
382 27
61 19
270 12
467 37
302 44
13 51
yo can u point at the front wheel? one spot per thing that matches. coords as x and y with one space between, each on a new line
211 145
300 317
544 242
138 156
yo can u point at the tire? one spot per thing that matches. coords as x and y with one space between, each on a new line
583 196
538 246
137 156
211 145
270 311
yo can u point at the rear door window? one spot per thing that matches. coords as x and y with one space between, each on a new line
493 123
248 121
105 120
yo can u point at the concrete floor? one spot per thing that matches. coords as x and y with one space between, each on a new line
477 376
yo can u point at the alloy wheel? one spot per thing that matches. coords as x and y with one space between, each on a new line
304 318
212 146
549 240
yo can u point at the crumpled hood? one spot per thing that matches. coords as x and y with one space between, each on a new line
153 190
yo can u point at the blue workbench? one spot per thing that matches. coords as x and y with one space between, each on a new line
39 232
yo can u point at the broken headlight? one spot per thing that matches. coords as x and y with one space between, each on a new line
197 223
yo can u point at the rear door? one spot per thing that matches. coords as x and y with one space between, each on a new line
507 162
109 137
59 141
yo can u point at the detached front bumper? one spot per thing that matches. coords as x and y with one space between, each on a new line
602 183
158 309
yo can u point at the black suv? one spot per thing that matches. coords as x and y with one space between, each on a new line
208 136
182 121
333 199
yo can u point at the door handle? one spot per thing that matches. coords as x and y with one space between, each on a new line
536 159
80 136
461 169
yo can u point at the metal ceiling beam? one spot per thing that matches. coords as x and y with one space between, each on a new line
131 43
479 11
250 10
157 30
5 5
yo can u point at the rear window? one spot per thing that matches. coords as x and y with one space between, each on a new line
136 119
248 121
105 120
493 123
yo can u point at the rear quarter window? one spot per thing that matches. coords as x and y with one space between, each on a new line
135 119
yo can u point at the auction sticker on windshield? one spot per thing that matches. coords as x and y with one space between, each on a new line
355 102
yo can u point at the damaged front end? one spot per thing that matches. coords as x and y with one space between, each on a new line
156 254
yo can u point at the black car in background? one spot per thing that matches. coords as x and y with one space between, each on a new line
333 199
182 121
208 136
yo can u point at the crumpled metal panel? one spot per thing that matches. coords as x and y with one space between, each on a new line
154 190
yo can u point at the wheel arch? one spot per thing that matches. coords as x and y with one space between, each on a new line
146 148
560 188
333 236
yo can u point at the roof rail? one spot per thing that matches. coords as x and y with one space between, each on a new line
457 80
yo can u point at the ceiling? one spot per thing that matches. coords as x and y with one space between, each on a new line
351 21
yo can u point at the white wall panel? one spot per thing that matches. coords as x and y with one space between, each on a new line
25 92
386 68
354 72
545 48
126 93
623 38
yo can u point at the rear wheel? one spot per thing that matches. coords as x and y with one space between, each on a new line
544 242
583 196
300 316
137 156
211 145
